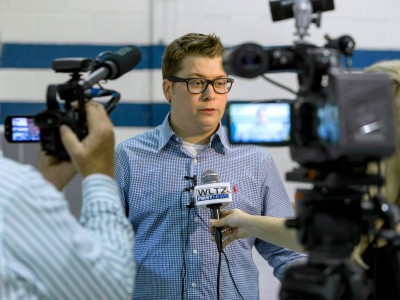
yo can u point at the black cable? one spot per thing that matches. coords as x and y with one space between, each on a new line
201 218
184 254
279 85
184 250
230 274
184 242
218 273
219 264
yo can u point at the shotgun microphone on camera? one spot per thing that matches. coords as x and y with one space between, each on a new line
113 66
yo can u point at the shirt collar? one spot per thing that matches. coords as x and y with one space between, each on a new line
166 133
221 137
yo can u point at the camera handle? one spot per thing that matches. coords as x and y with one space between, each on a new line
329 281
329 225
302 10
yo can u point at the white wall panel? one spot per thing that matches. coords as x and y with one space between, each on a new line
73 21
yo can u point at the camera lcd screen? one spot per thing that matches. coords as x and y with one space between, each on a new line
265 123
22 129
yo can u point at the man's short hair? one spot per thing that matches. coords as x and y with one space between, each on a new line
195 44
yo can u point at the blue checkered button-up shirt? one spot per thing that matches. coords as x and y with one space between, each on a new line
172 242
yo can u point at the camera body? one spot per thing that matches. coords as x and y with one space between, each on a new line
44 127
337 114
75 93
352 122
50 120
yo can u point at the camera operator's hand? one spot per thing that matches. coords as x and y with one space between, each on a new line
95 153
58 172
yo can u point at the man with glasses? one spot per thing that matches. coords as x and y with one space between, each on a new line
175 256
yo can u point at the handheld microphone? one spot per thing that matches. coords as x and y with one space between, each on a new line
214 195
113 66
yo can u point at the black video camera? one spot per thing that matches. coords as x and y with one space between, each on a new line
339 121
75 92
337 114
50 120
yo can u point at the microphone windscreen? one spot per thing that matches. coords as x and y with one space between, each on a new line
209 176
125 59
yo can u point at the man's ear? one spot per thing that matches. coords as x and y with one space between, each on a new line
167 89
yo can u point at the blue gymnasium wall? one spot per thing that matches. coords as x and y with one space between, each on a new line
40 56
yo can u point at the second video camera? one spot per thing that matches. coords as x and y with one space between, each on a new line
75 92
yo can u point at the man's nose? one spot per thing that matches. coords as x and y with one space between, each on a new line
209 93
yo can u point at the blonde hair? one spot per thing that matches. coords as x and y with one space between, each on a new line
391 166
195 44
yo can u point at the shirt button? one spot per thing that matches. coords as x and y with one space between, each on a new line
194 251
195 161
196 219
193 285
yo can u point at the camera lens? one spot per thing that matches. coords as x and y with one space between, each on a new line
247 60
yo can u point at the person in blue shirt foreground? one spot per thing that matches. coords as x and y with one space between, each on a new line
45 253
175 257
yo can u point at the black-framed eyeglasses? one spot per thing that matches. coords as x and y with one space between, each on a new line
199 85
